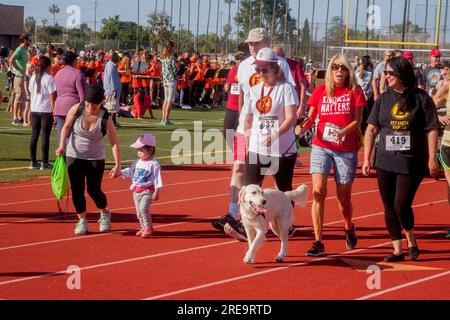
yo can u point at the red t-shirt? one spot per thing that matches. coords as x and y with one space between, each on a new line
335 113
233 99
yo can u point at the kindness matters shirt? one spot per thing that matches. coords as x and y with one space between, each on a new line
335 113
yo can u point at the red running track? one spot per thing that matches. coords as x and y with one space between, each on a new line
188 259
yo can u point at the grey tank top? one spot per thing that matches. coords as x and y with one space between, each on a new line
86 144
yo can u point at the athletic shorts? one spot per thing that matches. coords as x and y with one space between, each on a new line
239 149
170 89
112 103
344 164
445 156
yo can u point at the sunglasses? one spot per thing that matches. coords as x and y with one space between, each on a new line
263 71
337 67
389 73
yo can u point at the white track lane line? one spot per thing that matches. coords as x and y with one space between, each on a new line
160 226
116 191
126 208
156 204
405 285
210 246
276 269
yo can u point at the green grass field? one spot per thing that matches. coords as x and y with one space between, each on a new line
14 140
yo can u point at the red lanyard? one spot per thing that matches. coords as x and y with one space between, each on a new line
262 92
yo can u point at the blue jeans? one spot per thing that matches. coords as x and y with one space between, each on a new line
344 164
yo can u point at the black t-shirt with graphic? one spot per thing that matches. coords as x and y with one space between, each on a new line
403 146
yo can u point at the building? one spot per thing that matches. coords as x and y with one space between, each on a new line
11 25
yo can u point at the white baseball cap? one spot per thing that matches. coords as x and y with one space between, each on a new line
146 139
265 57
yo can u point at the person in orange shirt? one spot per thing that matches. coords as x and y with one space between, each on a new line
155 73
90 69
57 65
99 66
125 71
197 86
208 84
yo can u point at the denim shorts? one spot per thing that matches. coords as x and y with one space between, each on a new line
344 164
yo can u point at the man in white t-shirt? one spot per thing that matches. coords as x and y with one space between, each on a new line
247 77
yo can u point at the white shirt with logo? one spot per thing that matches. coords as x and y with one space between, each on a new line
248 78
269 120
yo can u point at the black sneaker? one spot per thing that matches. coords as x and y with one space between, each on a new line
35 165
220 223
394 258
350 238
235 229
317 250
292 231
414 252
46 166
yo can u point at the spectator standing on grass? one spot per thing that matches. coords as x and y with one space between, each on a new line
112 86
70 88
85 155
43 94
169 76
407 121
19 61
339 106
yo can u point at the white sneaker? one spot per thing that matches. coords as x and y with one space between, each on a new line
186 107
105 222
81 228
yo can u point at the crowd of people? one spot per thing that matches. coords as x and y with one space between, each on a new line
389 108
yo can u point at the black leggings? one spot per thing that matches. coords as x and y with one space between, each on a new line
231 122
88 172
41 124
283 176
124 92
398 192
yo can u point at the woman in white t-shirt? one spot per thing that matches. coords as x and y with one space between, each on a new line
271 116
43 94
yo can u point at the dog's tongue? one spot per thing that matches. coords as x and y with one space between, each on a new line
261 209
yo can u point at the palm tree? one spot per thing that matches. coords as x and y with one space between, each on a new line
445 22
273 18
217 27
207 25
312 28
426 16
356 18
342 23
198 24
285 22
326 31
239 9
229 3
53 9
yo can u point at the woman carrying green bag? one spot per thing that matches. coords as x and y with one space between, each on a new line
85 156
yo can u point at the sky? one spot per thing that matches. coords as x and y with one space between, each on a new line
128 11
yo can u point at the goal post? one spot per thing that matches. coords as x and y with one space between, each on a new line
390 22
